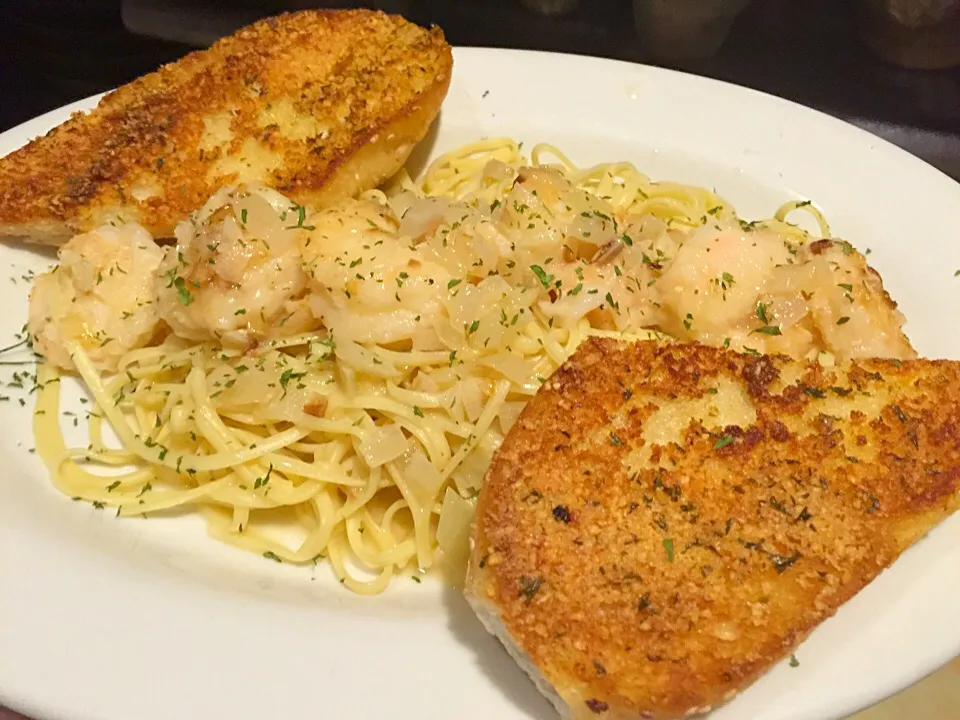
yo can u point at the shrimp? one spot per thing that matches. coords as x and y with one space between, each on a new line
848 305
369 284
235 273
101 296
709 290
756 291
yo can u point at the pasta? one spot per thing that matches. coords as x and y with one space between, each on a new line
352 417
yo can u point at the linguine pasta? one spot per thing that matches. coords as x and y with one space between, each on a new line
355 425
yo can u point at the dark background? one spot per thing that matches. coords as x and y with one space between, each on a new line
56 51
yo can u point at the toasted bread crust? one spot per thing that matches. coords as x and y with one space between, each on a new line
317 104
661 587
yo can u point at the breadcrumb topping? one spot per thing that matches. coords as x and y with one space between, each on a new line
653 559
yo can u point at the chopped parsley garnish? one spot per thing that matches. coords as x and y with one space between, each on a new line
769 330
899 413
668 546
262 481
722 441
182 293
545 280
270 555
843 321
417 411
287 376
453 283
301 216
846 247
529 587
762 313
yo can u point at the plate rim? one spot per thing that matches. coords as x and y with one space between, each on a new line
87 103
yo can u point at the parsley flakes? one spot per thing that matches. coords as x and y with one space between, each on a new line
722 441
762 313
545 279
668 546
183 295
287 376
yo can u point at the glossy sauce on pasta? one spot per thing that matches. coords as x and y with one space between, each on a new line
332 385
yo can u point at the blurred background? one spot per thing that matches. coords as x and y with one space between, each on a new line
890 66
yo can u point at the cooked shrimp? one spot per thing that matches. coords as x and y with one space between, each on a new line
758 291
101 295
235 273
710 288
852 312
370 284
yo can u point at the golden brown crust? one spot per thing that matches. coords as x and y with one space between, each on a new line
331 103
659 580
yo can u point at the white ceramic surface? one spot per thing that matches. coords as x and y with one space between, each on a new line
112 619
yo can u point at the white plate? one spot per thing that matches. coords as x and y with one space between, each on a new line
150 620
